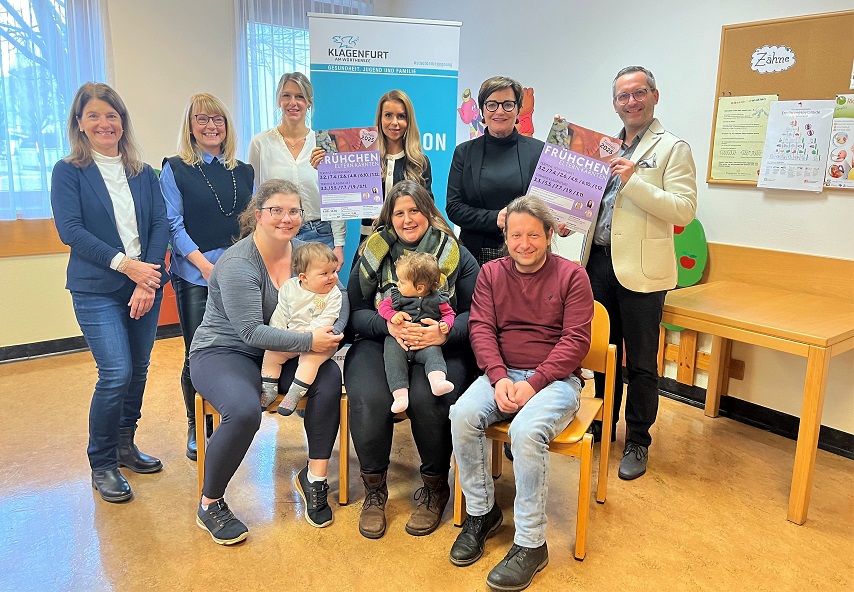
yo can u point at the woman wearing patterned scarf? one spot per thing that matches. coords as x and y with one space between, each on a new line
409 221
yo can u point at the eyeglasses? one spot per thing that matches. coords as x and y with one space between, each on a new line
492 106
639 95
218 120
278 212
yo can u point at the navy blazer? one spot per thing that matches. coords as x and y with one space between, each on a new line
475 213
84 217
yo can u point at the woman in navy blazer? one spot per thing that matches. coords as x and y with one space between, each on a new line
108 208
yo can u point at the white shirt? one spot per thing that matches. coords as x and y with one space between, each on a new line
301 310
113 173
271 159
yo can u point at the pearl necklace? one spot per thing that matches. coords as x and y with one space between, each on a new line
219 203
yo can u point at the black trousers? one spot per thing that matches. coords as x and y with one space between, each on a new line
371 419
635 319
191 300
231 381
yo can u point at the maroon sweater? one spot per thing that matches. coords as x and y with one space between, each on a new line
531 321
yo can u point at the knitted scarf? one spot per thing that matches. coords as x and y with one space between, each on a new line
377 274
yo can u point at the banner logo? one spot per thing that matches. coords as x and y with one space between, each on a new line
347 52
345 41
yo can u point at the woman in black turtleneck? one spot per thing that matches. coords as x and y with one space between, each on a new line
489 172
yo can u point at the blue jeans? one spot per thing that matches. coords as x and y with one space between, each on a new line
121 347
542 418
317 231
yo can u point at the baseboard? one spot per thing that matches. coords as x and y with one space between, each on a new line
777 422
15 353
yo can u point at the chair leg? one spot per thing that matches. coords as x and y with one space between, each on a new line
201 441
497 458
584 481
604 457
459 497
344 453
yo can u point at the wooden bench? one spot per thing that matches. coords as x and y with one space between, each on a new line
794 303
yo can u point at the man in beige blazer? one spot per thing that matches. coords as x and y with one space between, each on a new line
629 255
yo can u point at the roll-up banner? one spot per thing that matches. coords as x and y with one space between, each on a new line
356 59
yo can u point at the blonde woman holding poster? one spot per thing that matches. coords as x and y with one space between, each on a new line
285 152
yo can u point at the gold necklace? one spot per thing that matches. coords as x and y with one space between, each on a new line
293 145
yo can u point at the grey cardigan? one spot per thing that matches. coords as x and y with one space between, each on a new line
241 300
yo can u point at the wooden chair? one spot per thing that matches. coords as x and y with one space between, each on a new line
203 408
574 440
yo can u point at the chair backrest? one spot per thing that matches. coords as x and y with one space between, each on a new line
600 332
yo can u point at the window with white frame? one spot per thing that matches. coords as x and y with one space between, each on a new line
272 39
48 48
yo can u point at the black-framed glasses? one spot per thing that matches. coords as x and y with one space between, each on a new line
278 212
639 95
202 119
492 106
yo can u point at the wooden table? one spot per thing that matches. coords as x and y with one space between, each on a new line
815 327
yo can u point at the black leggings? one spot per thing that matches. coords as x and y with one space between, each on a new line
191 300
231 381
371 419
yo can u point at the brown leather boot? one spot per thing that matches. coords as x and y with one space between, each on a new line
432 499
372 518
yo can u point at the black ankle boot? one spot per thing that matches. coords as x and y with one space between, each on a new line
192 448
129 455
111 485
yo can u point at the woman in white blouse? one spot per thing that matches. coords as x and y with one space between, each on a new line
284 152
108 208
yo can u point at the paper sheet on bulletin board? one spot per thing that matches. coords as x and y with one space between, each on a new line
797 58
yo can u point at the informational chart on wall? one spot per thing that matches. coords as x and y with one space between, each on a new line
795 152
740 136
840 158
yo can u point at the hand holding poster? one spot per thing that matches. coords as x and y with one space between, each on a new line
349 175
572 173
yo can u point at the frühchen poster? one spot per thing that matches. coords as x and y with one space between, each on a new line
349 174
572 173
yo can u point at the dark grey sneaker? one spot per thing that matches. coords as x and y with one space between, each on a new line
223 527
633 464
518 568
317 510
468 547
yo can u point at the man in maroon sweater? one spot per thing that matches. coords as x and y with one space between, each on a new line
530 329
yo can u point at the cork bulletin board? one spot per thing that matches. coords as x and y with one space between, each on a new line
820 45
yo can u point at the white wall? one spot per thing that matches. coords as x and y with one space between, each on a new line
164 51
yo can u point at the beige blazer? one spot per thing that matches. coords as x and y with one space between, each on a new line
657 196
